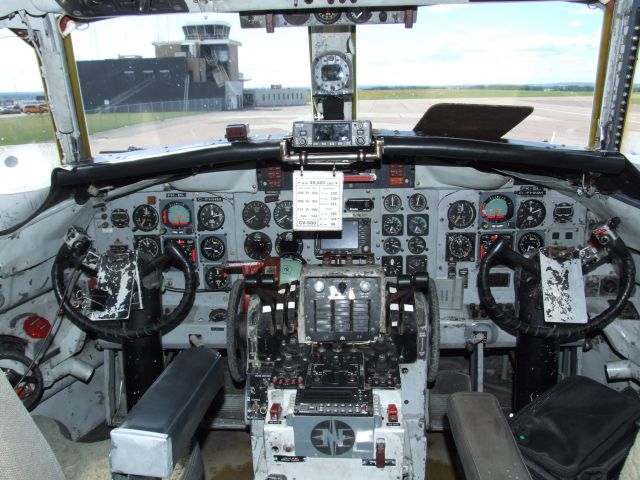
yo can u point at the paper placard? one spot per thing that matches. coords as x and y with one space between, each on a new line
317 200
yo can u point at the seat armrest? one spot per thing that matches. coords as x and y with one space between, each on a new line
483 439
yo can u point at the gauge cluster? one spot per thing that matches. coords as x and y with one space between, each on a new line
445 233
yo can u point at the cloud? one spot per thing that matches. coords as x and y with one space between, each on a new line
575 24
584 11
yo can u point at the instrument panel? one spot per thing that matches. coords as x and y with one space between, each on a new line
405 230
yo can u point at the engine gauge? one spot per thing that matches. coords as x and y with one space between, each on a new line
187 245
120 218
392 245
332 73
392 203
257 245
530 214
497 208
359 15
212 248
176 215
417 202
392 225
529 242
145 217
210 217
416 263
461 214
147 246
392 266
283 214
256 215
288 242
417 245
328 17
418 224
460 247
216 279
218 314
563 213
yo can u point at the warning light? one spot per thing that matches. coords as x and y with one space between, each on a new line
237 132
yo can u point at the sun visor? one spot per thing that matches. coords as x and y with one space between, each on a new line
436 176
471 121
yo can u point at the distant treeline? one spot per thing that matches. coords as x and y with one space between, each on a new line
541 88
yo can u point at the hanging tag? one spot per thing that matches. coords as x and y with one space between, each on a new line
563 294
317 200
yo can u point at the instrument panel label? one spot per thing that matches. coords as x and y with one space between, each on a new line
317 200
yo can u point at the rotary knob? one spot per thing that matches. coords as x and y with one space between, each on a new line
318 286
365 286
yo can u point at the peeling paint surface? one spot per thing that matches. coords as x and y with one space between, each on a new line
117 280
562 287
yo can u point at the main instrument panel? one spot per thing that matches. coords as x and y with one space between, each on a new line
386 221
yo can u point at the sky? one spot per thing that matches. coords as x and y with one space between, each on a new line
513 43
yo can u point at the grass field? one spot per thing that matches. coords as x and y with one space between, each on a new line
382 94
20 129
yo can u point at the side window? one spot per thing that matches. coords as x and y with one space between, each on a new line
28 151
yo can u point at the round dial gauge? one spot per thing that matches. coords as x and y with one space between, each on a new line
417 202
176 215
212 248
392 203
216 279
460 247
328 17
417 245
145 217
530 241
256 215
210 217
257 245
392 245
120 218
288 242
530 214
359 15
391 225
417 225
497 208
283 214
332 72
563 213
148 247
296 19
392 266
461 214
416 263
219 314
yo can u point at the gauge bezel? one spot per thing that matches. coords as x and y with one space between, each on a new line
385 226
202 225
413 258
164 209
212 287
217 258
137 239
335 16
120 223
149 208
296 238
251 238
411 246
261 222
563 217
279 206
412 201
469 256
521 223
412 230
397 245
398 268
392 209
467 221
332 87
495 218
523 235
358 21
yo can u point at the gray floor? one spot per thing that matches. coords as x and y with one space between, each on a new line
227 455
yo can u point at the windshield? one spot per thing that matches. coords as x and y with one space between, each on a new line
162 80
